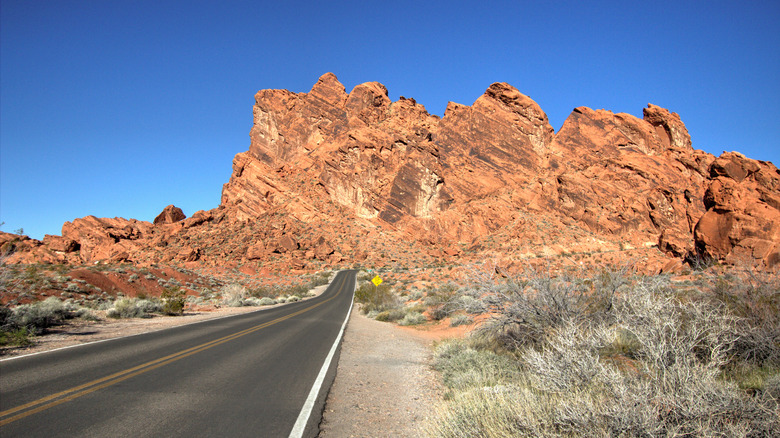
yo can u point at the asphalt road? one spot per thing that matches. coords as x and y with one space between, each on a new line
247 375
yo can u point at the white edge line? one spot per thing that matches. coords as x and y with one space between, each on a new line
150 331
300 424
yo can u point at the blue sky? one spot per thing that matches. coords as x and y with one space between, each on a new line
119 108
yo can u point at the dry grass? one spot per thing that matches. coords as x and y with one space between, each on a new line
612 355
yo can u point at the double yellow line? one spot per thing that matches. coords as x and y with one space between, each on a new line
67 395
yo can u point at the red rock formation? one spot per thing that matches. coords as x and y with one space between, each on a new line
333 177
169 215
104 238
742 222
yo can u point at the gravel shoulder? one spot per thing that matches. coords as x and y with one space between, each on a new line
384 385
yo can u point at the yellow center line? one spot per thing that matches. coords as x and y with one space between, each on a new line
89 387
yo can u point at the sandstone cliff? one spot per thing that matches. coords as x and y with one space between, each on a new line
332 176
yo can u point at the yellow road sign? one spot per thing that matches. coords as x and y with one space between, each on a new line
376 280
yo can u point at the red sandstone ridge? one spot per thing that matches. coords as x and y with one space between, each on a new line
332 175
494 167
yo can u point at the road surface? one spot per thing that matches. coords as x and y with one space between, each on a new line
246 375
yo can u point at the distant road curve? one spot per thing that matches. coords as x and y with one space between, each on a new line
249 375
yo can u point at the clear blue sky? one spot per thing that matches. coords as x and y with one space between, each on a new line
119 108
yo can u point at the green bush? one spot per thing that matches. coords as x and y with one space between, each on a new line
17 337
174 299
413 318
376 298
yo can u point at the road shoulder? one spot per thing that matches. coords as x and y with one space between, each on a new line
384 384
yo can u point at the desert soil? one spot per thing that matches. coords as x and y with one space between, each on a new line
384 385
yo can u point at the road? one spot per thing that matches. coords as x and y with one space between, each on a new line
246 375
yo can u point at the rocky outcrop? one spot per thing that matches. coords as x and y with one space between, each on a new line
104 238
332 176
478 170
169 215
742 222
622 176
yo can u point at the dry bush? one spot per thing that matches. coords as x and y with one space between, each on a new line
134 308
234 294
605 357
754 298
523 311
174 299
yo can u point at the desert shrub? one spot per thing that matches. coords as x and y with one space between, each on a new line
413 318
754 298
376 298
264 291
442 301
251 302
134 308
470 303
414 295
174 299
234 294
265 301
640 363
49 312
460 319
16 337
298 289
19 324
320 279
525 310
464 367
390 315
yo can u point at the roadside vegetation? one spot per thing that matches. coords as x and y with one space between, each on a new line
616 354
40 297
237 295
19 325
384 304
393 301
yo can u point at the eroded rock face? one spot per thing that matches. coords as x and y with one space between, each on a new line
742 222
104 238
620 175
482 168
332 177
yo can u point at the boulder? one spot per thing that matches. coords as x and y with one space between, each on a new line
256 251
169 215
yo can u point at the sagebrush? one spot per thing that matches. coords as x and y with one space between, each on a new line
617 354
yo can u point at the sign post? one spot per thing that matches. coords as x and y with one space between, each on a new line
377 281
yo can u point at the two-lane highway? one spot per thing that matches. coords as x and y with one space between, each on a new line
247 375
